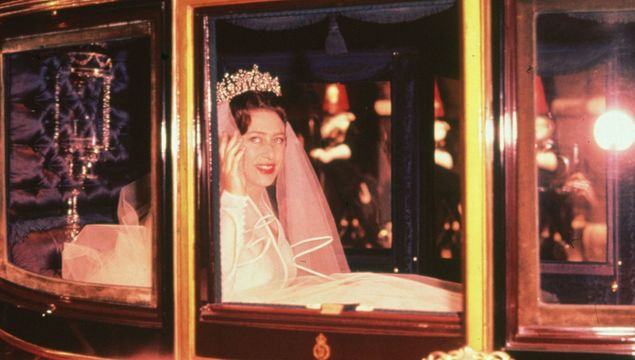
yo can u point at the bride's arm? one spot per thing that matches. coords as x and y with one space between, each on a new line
232 224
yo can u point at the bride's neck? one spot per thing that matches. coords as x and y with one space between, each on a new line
256 194
261 201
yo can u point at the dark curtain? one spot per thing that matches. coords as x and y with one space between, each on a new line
380 14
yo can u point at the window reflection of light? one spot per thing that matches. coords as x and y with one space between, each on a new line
614 130
624 332
164 139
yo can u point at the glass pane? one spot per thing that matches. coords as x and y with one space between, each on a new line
79 205
571 168
278 243
345 130
349 218
447 173
584 132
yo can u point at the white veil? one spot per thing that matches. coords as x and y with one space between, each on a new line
302 207
115 254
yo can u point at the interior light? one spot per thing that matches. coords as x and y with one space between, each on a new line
614 130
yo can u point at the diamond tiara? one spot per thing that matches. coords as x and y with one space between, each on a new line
243 81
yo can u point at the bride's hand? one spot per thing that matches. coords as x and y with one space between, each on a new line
231 150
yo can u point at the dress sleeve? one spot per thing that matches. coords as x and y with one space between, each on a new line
232 230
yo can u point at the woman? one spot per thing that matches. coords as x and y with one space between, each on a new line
291 255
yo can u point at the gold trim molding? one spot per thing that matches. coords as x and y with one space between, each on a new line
478 148
39 351
15 7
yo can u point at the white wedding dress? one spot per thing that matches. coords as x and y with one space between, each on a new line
115 254
258 265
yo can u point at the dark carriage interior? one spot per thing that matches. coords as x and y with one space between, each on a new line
397 56
39 183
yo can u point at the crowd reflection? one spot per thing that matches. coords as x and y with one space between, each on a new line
349 147
567 194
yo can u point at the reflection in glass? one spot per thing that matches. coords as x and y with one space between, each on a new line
447 194
585 75
79 204
85 75
346 133
572 224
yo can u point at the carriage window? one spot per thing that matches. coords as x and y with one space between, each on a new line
570 175
583 146
336 163
81 203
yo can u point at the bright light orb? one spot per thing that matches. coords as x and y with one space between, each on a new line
614 130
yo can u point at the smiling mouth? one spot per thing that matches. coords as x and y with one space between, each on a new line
266 169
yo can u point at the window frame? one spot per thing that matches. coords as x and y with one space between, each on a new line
477 45
423 333
531 325
71 24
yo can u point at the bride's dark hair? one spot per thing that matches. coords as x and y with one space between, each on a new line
242 104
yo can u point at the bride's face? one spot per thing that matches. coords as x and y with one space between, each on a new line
265 142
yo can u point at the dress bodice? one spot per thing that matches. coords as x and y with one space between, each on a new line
253 256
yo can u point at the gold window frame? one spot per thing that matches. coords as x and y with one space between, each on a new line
477 152
69 291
